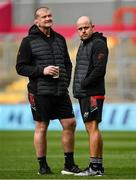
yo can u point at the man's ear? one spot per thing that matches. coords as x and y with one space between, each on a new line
36 22
93 25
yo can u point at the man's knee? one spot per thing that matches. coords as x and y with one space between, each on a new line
69 123
41 126
91 125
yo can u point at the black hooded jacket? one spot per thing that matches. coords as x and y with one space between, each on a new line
38 51
91 67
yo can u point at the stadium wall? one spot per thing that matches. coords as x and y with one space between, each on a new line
116 116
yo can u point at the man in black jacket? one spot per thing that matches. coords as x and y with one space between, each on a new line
89 89
43 58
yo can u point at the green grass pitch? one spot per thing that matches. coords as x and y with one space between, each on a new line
17 155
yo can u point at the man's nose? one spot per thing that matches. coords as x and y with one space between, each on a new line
48 17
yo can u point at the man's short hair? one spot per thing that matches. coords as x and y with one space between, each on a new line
36 14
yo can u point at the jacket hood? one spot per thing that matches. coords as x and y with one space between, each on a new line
96 35
34 30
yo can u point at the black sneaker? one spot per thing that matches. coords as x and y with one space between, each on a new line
72 170
100 171
44 171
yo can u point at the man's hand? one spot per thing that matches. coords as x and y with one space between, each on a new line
50 70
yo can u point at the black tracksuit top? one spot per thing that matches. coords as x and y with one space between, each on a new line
91 67
38 51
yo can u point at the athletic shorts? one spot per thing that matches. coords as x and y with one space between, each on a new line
91 108
46 108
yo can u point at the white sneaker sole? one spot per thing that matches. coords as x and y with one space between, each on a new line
63 172
83 174
88 174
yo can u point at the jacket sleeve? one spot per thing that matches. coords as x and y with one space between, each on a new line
68 64
99 61
24 65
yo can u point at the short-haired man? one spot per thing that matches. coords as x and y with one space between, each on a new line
43 58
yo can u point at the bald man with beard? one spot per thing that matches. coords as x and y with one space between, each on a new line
89 89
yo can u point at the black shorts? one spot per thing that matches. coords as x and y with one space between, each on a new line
91 108
46 108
